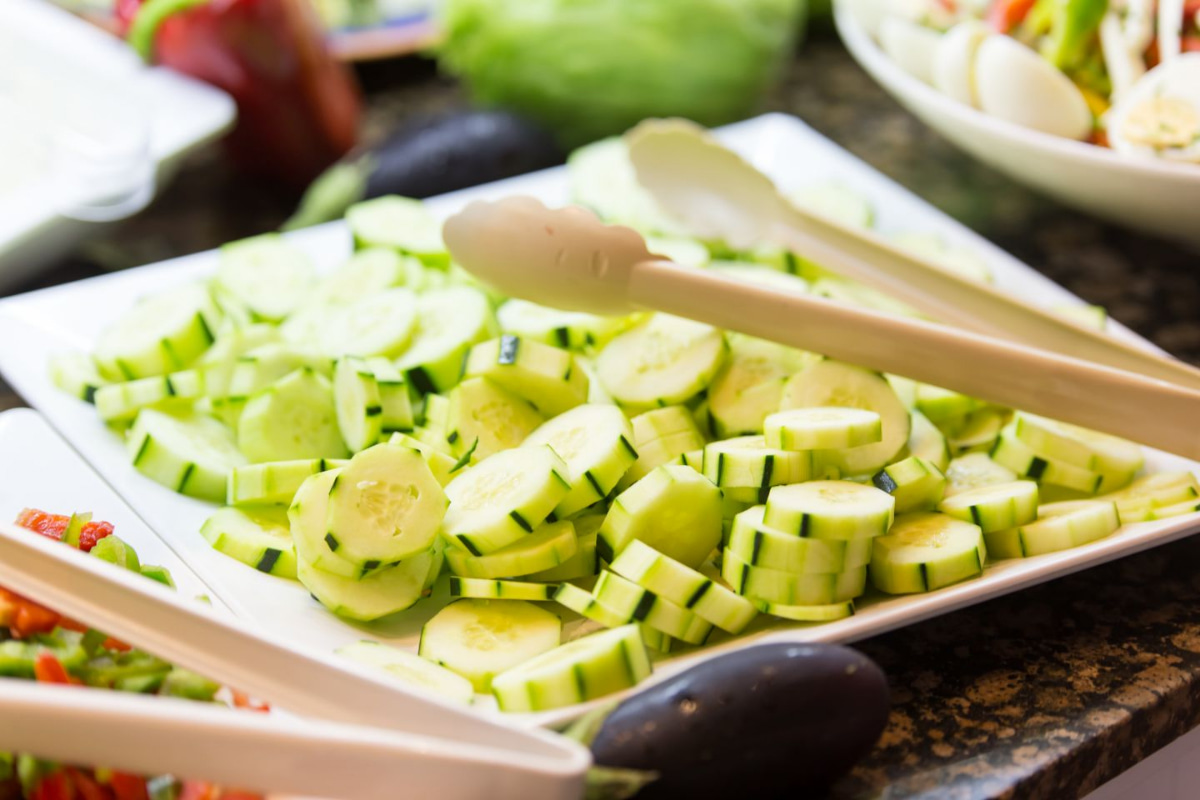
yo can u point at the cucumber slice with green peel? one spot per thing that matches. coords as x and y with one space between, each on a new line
492 589
1061 526
978 431
163 333
1011 452
750 384
365 273
602 178
357 403
583 564
489 418
308 517
822 428
830 510
812 613
995 508
257 369
266 275
382 593
917 484
1090 450
664 450
1136 501
410 669
585 604
399 223
747 462
638 603
926 551
449 322
594 442
1004 544
76 374
584 669
927 442
274 482
662 361
503 498
943 406
660 422
187 452
120 402
551 545
435 439
789 588
974 470
293 418
674 509
545 376
760 545
682 585
478 639
379 325
656 640
692 458
1175 509
831 383
436 412
258 538
444 467
905 389
395 398
685 252
384 506
735 500
573 330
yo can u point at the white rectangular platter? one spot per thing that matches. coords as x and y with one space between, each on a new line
37 325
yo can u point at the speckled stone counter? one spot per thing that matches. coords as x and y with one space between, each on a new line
1045 694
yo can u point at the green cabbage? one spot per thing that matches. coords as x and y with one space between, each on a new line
591 68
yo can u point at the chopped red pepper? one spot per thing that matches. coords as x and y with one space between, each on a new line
243 701
128 787
87 787
24 617
1004 15
198 790
55 786
48 669
52 526
93 532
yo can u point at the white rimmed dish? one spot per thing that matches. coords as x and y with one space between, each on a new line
1154 196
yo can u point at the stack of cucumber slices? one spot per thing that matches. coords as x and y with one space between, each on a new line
595 492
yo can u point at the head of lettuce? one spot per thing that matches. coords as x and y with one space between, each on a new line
591 68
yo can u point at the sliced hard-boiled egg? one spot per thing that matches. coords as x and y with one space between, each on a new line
910 46
1014 83
1160 115
954 61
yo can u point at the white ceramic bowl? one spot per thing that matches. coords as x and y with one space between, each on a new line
1161 198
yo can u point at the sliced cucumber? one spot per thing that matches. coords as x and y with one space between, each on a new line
584 563
978 431
491 589
76 374
449 321
273 482
293 418
602 178
379 325
665 450
257 369
503 498
747 462
365 273
638 603
1061 526
410 669
189 453
831 383
760 545
789 588
924 552
594 442
120 402
1011 452
163 333
258 538
679 584
750 384
265 274
384 506
546 376
395 399
1090 450
974 470
917 484
943 406
581 670
823 428
686 252
662 361
674 509
818 613
830 510
478 639
996 507
574 330
551 545
660 422
489 418
1175 509
385 591
585 604
927 442
400 223
308 516
1136 501
443 466
357 404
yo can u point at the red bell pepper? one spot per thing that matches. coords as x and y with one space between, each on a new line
55 786
298 108
1004 15
48 669
128 787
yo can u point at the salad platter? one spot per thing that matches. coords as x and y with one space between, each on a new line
45 325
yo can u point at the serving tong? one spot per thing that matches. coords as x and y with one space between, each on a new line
348 732
994 347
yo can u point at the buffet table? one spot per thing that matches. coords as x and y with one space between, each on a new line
1050 693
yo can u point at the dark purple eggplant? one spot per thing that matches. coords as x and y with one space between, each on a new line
774 720
428 156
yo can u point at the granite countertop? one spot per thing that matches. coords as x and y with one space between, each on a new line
1044 694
